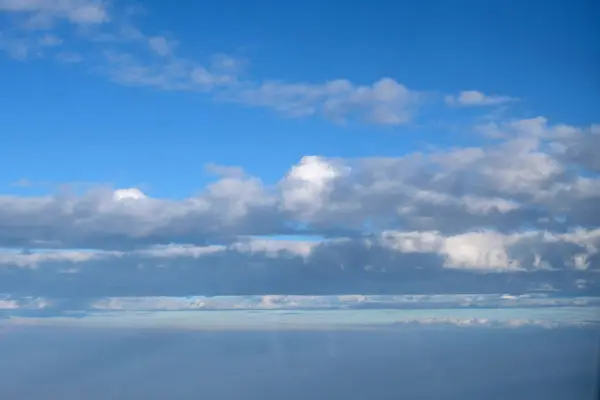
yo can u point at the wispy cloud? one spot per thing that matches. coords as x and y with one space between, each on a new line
69 57
385 102
161 45
474 98
42 13
50 40
118 47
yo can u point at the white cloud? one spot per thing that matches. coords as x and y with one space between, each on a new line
209 80
385 102
49 40
486 250
517 184
227 64
16 48
517 207
472 98
131 194
36 259
300 311
502 323
307 185
170 251
579 146
492 251
43 12
527 201
225 170
303 302
161 45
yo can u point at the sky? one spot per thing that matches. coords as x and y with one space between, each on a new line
299 199
303 149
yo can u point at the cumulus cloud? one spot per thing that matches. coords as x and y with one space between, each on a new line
525 203
518 214
474 98
579 146
522 183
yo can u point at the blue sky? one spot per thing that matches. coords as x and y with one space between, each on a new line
351 199
301 147
67 124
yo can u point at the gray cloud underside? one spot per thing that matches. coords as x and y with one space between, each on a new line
337 267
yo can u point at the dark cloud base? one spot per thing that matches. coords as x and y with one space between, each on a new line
243 279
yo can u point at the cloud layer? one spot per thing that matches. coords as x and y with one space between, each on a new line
304 302
537 177
280 320
518 212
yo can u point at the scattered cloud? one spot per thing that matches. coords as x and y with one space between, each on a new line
42 13
385 102
225 171
161 45
50 40
23 183
519 213
15 48
474 98
117 44
501 323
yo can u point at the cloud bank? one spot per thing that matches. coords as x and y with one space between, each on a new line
281 320
518 212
